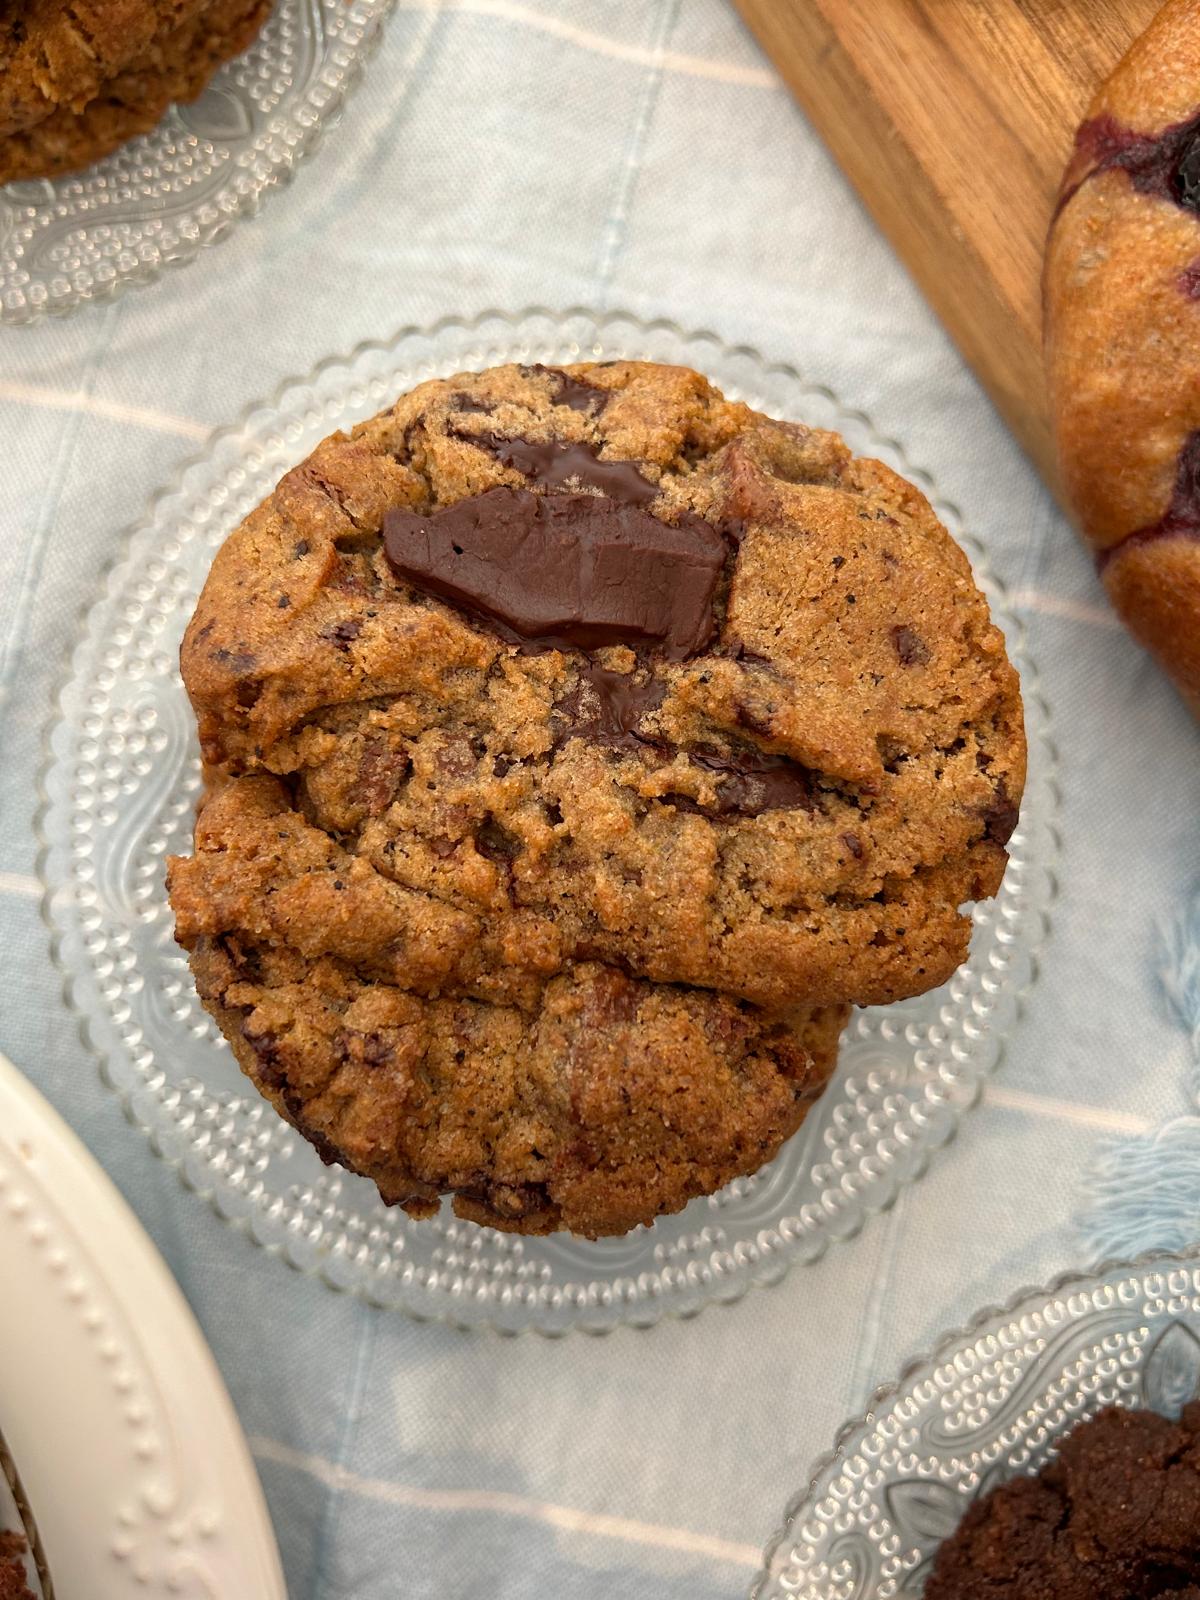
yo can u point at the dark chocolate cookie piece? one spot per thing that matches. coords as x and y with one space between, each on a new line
1115 1517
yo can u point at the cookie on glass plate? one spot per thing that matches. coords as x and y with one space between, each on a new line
579 745
82 91
55 57
1122 295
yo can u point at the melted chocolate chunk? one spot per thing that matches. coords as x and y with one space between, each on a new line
1001 817
752 783
573 392
1165 165
757 782
1185 180
608 707
555 464
266 1050
911 649
1181 519
565 571
495 842
293 1105
343 634
468 402
737 650
581 396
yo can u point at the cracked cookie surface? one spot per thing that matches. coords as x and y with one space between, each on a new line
547 681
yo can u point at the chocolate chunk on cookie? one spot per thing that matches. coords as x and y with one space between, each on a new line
572 571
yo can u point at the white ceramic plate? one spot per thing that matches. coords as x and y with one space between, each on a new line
127 1444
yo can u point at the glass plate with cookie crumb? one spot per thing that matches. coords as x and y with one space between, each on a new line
121 781
161 198
994 1401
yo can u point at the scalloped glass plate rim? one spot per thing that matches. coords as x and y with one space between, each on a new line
947 1346
776 1264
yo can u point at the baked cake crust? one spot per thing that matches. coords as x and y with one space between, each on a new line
1122 296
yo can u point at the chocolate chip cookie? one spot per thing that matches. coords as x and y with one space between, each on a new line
598 734
77 116
57 57
1122 329
1115 1517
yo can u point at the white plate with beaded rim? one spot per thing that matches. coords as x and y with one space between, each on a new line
160 199
121 779
129 1452
995 1400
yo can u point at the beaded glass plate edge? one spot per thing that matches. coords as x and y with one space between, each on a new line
120 779
994 1400
161 198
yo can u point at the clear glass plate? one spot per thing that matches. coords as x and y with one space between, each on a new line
160 198
121 783
996 1400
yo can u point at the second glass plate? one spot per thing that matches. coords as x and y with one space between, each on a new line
121 781
996 1400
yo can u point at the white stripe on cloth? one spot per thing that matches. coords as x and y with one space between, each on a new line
1040 1105
501 1503
1052 605
19 883
36 394
671 61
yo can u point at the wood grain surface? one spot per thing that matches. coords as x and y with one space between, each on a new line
954 119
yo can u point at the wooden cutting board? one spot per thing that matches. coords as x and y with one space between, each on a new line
954 119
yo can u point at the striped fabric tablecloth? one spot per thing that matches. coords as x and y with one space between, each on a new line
635 153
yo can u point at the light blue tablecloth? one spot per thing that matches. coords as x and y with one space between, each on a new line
636 153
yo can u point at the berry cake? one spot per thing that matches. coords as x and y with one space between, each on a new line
579 745
1122 296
